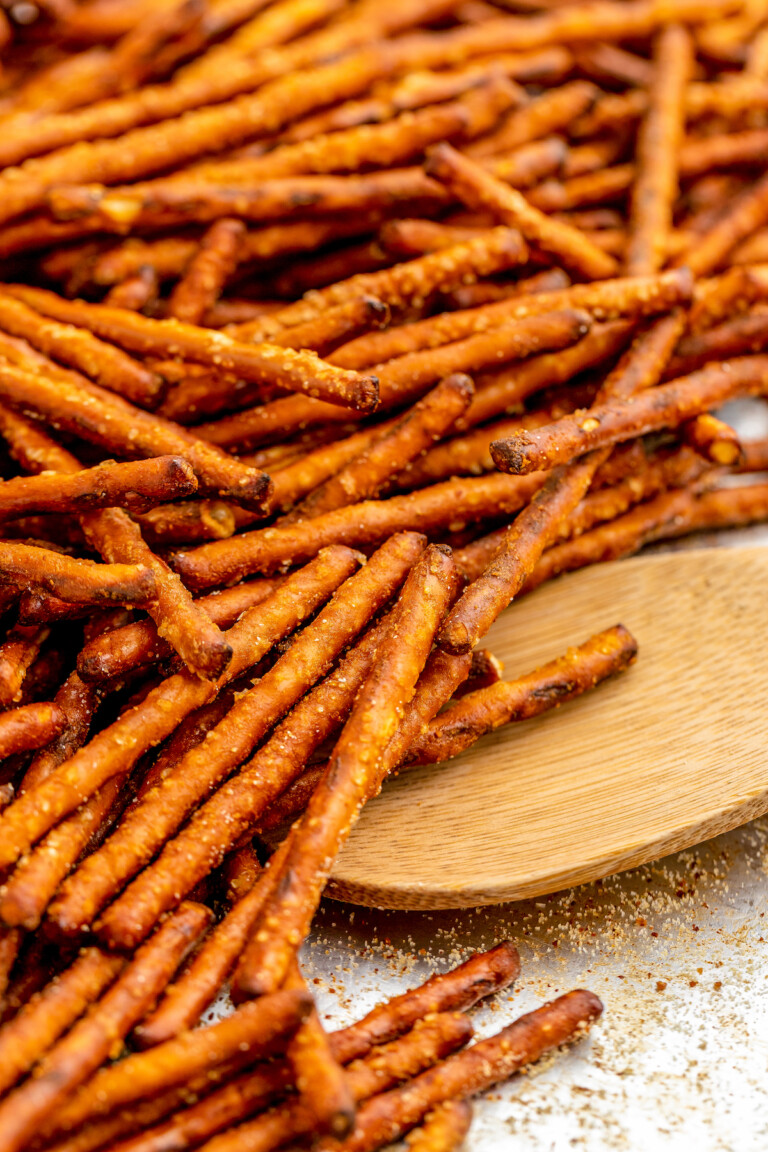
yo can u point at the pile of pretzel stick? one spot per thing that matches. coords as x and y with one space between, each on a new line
328 329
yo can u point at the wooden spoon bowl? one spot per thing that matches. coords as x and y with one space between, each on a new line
665 756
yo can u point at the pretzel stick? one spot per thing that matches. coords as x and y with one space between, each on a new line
658 143
135 486
713 439
107 365
465 721
353 773
225 560
666 406
207 272
30 726
10 943
75 1057
138 643
735 337
241 869
550 112
296 371
120 744
78 701
160 813
325 1095
443 1130
187 523
478 189
413 433
48 1014
387 1117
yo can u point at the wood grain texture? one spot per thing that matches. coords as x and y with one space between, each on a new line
663 757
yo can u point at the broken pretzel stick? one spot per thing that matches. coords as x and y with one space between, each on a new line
30 726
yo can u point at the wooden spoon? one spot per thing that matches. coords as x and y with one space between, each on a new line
672 752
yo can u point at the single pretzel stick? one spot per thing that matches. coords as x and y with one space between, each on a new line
79 581
478 189
30 726
713 439
136 292
49 1013
428 509
389 1116
160 814
663 407
77 1056
465 721
136 486
141 727
353 773
735 337
443 1130
207 272
187 522
658 144
413 433
324 1093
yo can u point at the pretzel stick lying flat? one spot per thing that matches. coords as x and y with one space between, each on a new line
136 292
75 1057
104 363
387 1117
251 1032
296 371
353 772
324 1094
713 439
363 476
122 649
160 814
112 423
748 213
203 279
188 522
465 721
428 509
478 189
120 745
443 1130
383 1068
30 726
79 581
734 337
235 808
78 701
658 145
666 406
135 486
25 1038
